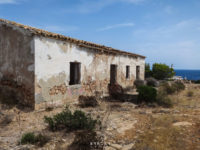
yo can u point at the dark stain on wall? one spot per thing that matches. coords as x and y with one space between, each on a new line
11 92
17 62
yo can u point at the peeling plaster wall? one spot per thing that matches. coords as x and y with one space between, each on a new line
52 70
39 67
17 60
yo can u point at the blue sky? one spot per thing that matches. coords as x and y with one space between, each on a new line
166 31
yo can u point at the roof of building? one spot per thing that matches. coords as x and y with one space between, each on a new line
80 43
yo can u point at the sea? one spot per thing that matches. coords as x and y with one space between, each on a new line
189 74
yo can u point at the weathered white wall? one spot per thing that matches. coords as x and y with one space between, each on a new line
52 66
41 65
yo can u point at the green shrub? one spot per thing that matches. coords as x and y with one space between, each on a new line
146 94
87 140
28 138
31 138
70 121
87 101
51 123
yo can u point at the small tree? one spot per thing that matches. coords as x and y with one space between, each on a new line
162 71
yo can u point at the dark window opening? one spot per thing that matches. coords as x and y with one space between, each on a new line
113 74
137 72
127 72
75 73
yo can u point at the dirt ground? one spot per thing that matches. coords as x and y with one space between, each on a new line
124 125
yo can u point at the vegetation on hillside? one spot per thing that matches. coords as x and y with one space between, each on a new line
31 138
66 120
149 94
146 94
159 71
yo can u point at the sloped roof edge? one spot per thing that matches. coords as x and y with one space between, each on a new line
80 43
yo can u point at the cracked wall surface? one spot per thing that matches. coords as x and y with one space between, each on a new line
52 70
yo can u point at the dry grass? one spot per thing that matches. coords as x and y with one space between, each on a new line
131 134
162 135
183 101
154 129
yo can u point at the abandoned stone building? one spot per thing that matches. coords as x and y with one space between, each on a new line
50 68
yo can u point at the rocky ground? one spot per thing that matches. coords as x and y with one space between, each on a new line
124 125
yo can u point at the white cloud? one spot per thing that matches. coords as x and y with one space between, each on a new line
176 44
92 6
88 6
11 1
116 26
184 28
8 1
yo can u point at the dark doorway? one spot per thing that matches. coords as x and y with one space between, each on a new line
137 72
75 73
113 74
127 72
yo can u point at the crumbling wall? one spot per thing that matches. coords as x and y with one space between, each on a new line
17 62
52 70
